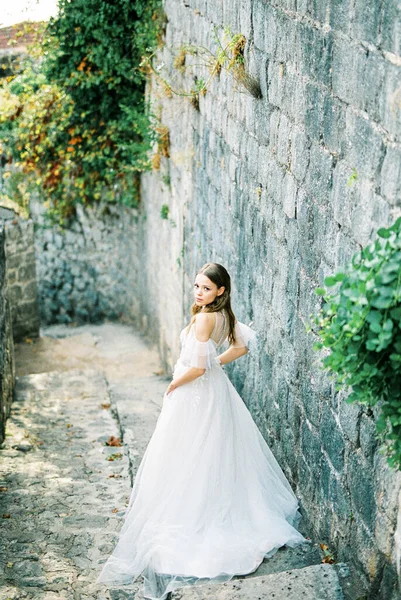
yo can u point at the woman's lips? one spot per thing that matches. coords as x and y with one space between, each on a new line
198 299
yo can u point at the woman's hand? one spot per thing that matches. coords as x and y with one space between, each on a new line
171 387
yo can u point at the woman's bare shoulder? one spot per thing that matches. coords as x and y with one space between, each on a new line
204 318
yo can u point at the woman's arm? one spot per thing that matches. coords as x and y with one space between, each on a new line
232 354
204 324
190 375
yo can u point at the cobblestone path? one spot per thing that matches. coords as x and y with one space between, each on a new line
63 490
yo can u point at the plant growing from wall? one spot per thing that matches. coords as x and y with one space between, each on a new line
77 121
360 327
229 56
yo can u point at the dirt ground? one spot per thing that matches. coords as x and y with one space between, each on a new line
114 348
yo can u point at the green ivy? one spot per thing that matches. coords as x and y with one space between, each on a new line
360 325
76 120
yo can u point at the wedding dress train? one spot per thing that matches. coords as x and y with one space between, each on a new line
209 500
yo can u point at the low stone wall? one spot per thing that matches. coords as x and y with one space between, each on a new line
7 369
90 271
21 275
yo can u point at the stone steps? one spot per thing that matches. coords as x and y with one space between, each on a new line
313 582
316 582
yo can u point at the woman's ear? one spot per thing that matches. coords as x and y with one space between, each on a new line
221 290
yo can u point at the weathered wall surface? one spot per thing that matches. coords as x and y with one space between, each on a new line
89 271
21 276
283 190
7 370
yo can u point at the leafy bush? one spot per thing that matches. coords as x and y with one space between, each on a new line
360 324
77 118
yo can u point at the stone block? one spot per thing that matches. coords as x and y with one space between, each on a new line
286 37
307 232
365 148
311 448
26 272
299 102
274 127
339 15
283 140
362 214
230 15
310 398
390 177
362 488
315 49
390 99
259 10
391 28
318 182
366 21
345 194
332 439
372 81
347 72
300 145
314 98
276 83
30 290
289 195
333 124
294 415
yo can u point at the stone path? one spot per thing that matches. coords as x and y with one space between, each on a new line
64 491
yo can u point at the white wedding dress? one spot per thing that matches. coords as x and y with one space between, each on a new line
209 499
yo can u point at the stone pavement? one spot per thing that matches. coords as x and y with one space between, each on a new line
64 491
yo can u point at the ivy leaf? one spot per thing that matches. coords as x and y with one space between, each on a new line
330 281
360 325
383 233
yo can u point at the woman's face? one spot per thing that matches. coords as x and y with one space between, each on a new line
205 291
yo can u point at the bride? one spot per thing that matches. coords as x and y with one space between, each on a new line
209 500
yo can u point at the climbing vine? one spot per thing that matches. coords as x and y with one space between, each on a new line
74 118
360 327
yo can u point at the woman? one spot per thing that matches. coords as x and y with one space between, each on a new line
209 499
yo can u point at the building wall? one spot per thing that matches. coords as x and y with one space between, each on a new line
21 276
7 368
283 190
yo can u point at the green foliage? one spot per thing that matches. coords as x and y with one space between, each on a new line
77 121
353 178
360 324
164 211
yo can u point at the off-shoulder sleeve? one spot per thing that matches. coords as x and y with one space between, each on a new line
202 354
243 335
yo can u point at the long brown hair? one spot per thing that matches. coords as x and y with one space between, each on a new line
220 277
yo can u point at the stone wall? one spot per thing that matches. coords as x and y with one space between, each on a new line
283 190
90 271
7 369
21 275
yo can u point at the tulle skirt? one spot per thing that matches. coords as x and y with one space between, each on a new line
209 500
